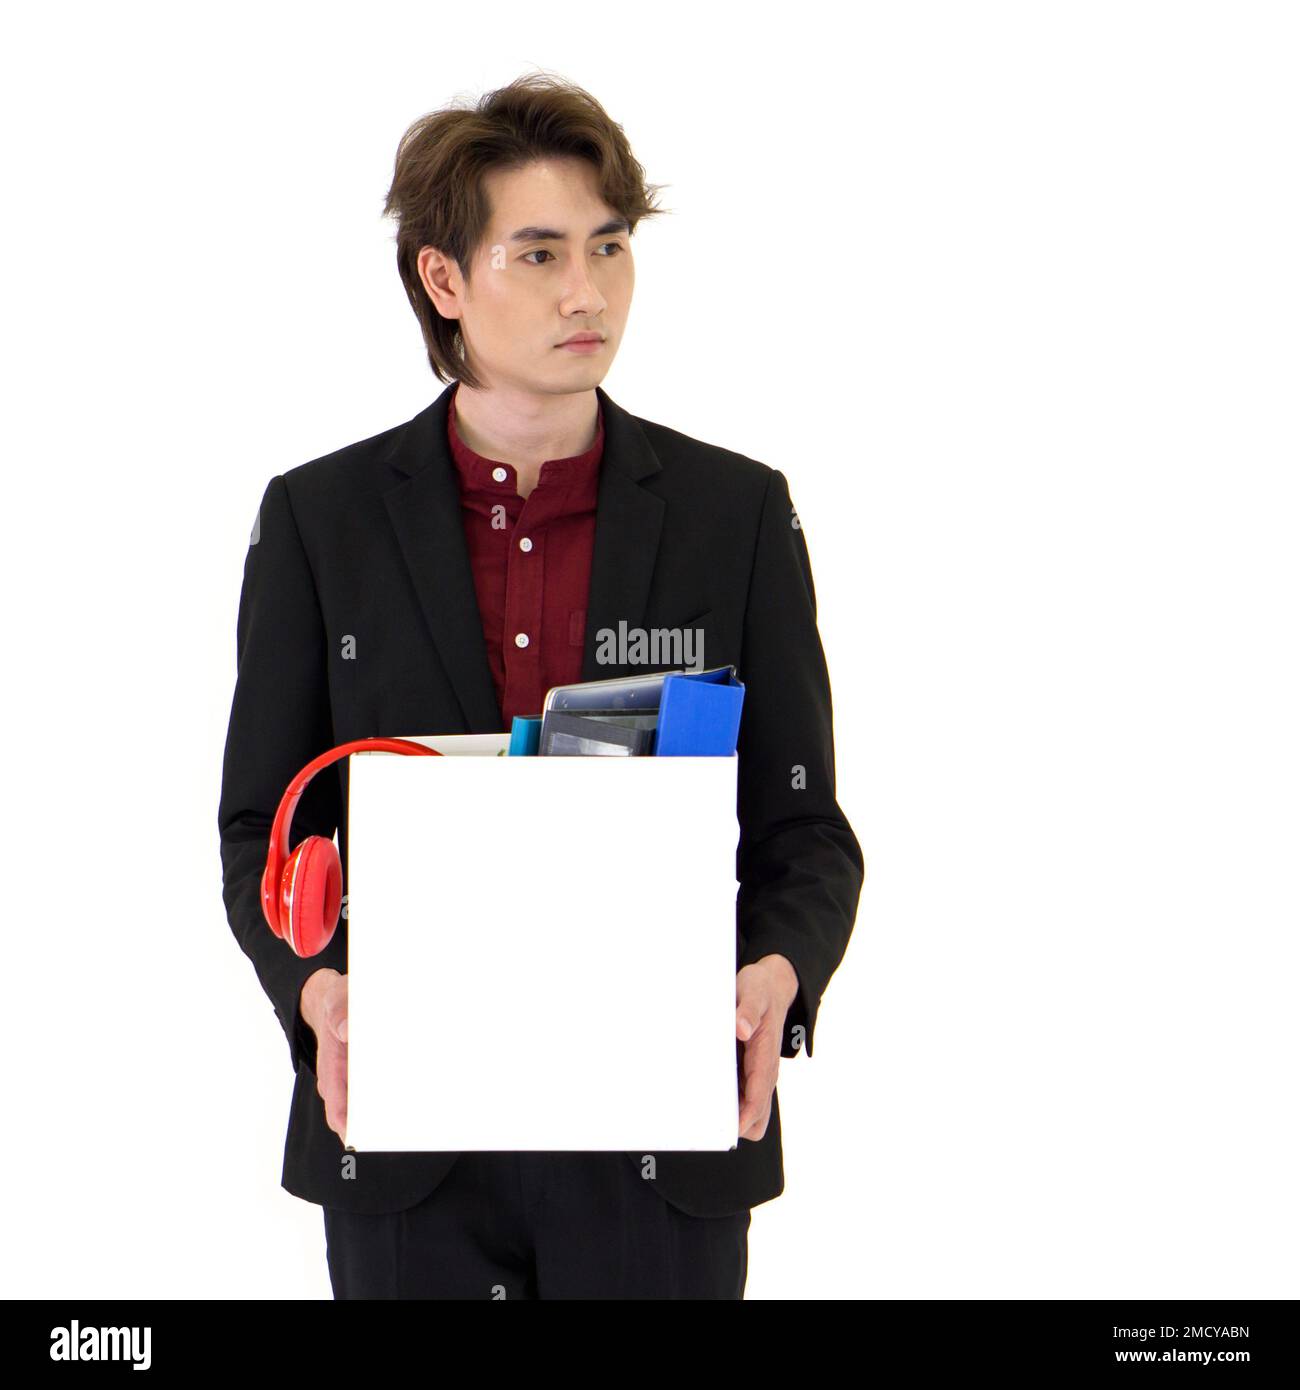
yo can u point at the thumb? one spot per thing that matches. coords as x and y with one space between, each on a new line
749 1006
336 1017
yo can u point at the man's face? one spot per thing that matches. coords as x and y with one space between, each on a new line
556 261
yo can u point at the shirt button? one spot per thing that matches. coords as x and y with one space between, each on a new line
521 639
525 544
500 474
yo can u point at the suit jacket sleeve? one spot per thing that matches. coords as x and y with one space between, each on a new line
279 721
798 862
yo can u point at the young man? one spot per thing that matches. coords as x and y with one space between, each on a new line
440 577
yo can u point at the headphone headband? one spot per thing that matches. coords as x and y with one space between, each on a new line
278 850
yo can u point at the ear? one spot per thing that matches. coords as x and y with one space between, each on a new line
442 280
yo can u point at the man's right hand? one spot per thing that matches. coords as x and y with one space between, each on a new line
323 1003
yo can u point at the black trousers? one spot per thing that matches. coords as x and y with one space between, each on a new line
538 1225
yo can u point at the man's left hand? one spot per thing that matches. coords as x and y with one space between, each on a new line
764 993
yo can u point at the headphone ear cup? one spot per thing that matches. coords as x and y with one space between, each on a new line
313 883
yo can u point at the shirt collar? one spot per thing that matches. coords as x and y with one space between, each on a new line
576 474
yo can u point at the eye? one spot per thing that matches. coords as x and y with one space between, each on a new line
542 251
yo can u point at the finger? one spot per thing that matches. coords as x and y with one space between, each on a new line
753 1004
759 1128
759 1085
336 1016
762 1058
335 1009
336 1111
761 1065
332 1083
750 1013
752 1110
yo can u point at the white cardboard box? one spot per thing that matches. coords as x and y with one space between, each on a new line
541 953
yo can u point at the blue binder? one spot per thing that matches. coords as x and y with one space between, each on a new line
699 713
525 735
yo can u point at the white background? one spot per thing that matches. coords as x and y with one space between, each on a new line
1009 292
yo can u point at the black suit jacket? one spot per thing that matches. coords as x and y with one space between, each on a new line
367 542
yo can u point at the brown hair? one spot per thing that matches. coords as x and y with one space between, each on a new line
437 195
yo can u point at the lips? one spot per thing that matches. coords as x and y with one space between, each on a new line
579 338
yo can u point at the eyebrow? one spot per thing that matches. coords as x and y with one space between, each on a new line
615 224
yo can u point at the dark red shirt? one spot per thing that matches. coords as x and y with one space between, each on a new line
531 558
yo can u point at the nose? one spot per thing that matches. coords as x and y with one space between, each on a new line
581 296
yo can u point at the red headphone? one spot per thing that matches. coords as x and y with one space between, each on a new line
302 892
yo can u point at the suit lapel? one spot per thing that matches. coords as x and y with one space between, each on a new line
425 512
628 522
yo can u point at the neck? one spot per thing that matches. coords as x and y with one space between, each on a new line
525 430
